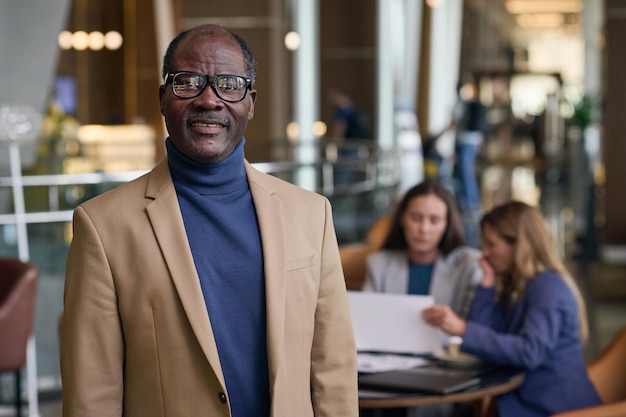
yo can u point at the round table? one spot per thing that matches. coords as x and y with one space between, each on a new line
480 396
380 399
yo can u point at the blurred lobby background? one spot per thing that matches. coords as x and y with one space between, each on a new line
80 100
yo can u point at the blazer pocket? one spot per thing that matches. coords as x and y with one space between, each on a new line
300 263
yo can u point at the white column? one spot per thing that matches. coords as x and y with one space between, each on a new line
407 25
593 17
445 52
306 87
164 32
593 25
164 27
385 74
399 23
279 94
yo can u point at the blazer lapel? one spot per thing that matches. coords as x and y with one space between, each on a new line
443 277
169 229
397 273
272 228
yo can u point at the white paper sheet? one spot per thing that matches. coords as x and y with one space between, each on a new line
392 323
369 362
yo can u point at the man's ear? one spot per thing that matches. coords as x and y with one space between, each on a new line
252 95
162 90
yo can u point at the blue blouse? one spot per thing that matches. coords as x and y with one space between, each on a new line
540 335
420 276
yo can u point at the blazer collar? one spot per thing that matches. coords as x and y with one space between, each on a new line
169 229
270 217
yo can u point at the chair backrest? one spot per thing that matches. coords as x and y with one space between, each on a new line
377 234
354 255
18 288
608 370
353 261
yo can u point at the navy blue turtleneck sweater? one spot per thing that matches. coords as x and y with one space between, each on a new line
223 233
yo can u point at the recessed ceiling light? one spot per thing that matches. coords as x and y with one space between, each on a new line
544 6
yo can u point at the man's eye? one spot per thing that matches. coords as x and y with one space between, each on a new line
192 83
229 83
187 83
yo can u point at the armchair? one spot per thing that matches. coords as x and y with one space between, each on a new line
608 374
18 285
353 255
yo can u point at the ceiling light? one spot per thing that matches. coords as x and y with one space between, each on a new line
80 40
292 41
113 40
65 40
96 41
544 6
546 20
433 3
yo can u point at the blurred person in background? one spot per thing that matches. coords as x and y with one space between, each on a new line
349 131
527 313
471 128
424 254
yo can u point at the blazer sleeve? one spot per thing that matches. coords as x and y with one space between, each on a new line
333 357
92 358
470 275
544 309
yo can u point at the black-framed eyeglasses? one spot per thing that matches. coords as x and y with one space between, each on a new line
230 88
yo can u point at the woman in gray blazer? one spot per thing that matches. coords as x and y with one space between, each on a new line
425 252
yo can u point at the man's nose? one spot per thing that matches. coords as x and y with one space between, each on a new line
208 98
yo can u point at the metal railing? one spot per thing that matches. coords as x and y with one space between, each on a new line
372 169
50 201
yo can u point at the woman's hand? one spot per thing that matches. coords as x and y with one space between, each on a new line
489 275
444 318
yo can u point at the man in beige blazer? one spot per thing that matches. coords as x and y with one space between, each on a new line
139 339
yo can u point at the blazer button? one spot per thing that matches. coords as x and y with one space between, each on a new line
222 397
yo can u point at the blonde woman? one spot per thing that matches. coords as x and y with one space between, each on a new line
527 313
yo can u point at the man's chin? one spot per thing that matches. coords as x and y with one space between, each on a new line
212 154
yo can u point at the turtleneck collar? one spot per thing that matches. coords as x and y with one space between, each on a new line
222 178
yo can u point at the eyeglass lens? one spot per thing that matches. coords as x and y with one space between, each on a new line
231 88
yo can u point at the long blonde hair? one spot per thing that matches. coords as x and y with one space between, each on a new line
525 227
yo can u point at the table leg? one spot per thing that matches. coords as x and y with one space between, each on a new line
484 407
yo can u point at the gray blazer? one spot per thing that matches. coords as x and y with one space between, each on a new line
454 276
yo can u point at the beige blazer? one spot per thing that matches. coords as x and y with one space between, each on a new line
137 339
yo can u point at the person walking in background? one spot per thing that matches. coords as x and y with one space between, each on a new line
470 122
349 122
349 131
206 287
527 313
471 127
